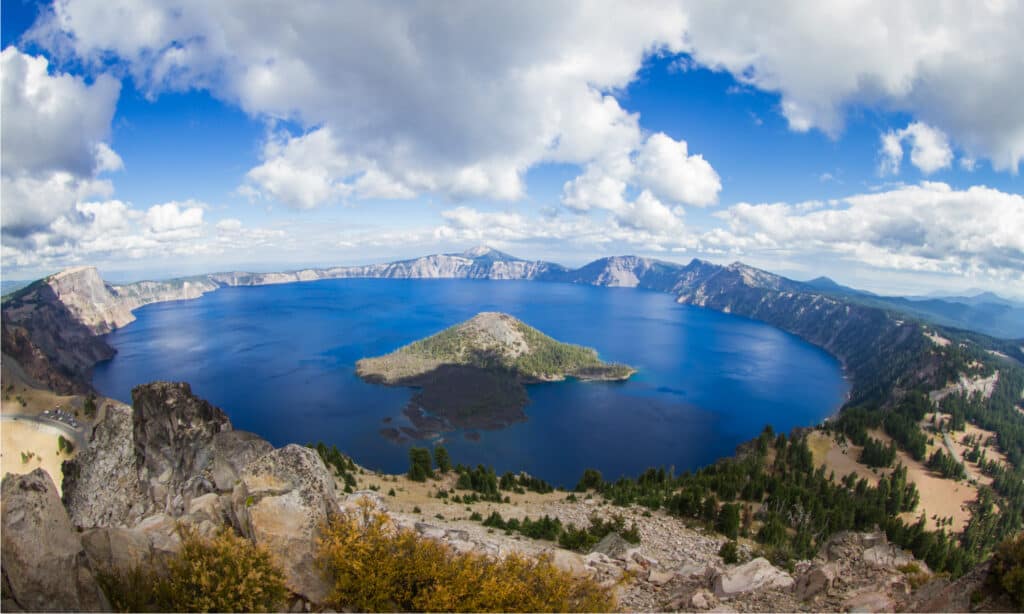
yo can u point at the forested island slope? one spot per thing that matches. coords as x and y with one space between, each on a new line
491 340
471 375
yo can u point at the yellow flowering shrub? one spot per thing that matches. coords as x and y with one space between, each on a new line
375 566
225 574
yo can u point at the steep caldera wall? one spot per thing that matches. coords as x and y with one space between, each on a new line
51 326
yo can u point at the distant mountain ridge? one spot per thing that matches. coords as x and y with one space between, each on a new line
862 331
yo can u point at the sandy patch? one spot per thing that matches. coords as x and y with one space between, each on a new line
840 458
409 495
30 437
939 496
937 339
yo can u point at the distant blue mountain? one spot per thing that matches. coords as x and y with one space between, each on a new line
984 312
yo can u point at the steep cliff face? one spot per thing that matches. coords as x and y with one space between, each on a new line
89 298
477 263
174 432
133 296
50 327
622 271
874 345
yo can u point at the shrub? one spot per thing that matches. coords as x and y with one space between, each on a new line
64 446
730 553
135 589
90 406
915 575
225 574
373 565
1008 567
591 480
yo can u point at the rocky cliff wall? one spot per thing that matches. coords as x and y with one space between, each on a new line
50 327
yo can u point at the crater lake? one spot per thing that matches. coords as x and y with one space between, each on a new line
280 361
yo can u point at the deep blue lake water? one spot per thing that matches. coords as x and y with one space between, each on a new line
280 361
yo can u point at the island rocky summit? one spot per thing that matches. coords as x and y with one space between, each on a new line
471 376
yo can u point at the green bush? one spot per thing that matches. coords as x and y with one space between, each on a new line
730 553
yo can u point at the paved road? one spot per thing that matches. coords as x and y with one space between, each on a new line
77 435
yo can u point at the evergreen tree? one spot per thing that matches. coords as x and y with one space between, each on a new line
729 520
419 465
441 459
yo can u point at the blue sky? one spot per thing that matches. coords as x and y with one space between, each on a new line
391 130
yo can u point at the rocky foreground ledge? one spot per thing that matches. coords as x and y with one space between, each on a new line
173 459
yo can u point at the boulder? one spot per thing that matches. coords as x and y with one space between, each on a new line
872 601
750 576
174 432
462 546
172 446
660 578
816 580
614 546
430 531
101 484
117 548
44 566
281 501
570 562
702 599
232 452
156 538
886 556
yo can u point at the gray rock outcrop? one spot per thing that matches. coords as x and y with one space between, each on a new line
749 577
232 452
281 501
170 449
101 484
44 565
174 432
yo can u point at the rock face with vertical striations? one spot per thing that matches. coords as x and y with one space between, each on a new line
155 457
44 565
101 484
174 432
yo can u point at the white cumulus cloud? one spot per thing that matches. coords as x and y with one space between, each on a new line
664 166
460 102
957 66
929 149
55 128
927 227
